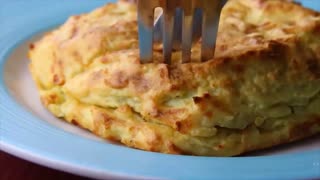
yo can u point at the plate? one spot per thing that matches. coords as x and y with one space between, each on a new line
29 131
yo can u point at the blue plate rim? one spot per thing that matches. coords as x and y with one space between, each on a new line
120 161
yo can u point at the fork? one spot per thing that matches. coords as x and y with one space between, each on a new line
180 24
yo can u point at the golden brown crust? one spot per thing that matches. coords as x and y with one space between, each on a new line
263 84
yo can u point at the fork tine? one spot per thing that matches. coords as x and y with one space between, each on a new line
197 24
208 27
145 25
187 32
211 16
167 35
177 29
158 28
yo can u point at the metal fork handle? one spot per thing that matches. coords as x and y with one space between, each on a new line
178 28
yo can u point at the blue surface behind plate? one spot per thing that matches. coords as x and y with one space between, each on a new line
22 133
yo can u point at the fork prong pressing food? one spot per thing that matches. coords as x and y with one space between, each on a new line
178 27
210 24
168 8
145 25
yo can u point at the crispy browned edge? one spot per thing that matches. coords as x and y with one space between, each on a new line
296 132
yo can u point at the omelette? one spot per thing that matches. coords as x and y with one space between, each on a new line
260 90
